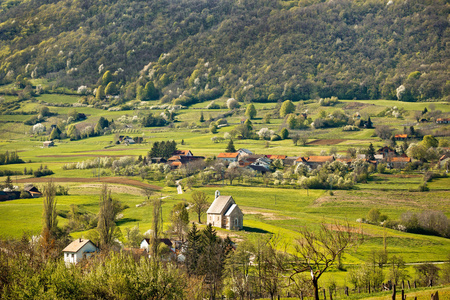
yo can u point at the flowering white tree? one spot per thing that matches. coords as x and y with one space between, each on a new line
38 128
265 133
232 103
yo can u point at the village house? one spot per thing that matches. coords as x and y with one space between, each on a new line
183 153
386 151
229 157
48 144
180 158
77 250
443 120
315 161
401 137
33 191
244 152
398 162
225 213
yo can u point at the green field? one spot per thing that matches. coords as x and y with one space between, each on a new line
269 211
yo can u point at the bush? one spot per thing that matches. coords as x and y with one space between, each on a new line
43 172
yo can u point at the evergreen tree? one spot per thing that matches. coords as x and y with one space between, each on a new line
230 147
8 182
369 123
202 119
193 250
55 134
371 152
251 111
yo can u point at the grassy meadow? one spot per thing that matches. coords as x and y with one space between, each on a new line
269 211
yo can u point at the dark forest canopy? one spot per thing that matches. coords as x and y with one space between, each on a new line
252 50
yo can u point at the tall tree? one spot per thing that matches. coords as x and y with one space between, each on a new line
156 229
230 147
251 111
371 152
180 219
199 203
50 226
106 218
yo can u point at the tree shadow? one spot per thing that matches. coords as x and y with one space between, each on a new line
125 220
255 230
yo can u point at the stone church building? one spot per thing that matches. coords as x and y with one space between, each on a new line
225 213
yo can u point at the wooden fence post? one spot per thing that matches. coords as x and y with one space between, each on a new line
403 294
346 291
330 291
393 292
324 295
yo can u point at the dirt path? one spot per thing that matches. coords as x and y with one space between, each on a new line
115 180
83 155
326 142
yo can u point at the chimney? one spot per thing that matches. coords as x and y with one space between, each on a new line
80 240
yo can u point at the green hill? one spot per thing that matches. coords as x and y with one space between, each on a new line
253 50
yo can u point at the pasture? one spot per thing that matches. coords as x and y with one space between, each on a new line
269 211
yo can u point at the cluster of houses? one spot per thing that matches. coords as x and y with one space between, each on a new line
223 213
30 191
262 162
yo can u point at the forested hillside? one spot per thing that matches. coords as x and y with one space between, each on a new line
252 50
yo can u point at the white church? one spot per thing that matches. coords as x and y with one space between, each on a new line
225 213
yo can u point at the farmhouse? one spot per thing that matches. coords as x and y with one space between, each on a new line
229 157
77 250
315 161
400 137
398 162
443 120
225 213
33 191
48 144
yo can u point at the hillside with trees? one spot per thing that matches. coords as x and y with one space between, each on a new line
185 52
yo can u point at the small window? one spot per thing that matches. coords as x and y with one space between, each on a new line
236 222
73 255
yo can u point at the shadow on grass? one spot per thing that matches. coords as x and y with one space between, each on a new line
125 220
255 230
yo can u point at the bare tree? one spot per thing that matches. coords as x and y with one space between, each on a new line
383 131
317 251
232 173
199 204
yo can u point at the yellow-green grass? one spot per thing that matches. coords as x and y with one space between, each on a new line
443 106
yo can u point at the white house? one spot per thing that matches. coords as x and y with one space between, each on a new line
225 213
77 250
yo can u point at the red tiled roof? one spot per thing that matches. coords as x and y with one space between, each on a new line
400 159
228 155
181 152
175 157
282 157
